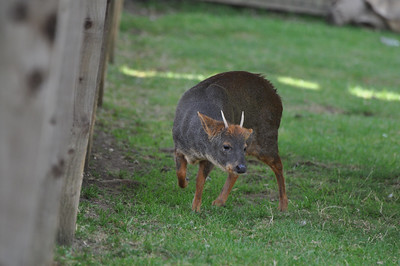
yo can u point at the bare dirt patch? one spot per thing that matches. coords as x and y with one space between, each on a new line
109 166
315 108
268 194
108 173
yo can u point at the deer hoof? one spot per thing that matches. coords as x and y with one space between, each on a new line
218 203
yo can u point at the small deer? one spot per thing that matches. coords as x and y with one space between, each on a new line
210 129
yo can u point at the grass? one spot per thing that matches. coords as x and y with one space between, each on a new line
339 141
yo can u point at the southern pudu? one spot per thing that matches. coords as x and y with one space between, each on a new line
210 129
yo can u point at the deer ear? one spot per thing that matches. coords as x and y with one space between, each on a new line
248 135
211 127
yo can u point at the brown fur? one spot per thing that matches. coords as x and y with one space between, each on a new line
214 128
235 130
211 127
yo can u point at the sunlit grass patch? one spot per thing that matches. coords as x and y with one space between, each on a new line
384 95
151 73
300 83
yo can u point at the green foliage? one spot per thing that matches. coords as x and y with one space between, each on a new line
339 141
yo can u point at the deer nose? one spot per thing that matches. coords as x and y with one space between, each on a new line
241 168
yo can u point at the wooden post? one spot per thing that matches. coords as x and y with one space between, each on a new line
106 40
39 54
84 116
118 6
108 24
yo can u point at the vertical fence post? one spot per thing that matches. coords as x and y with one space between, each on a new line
84 116
39 54
113 14
118 5
106 36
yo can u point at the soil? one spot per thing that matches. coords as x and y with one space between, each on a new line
107 161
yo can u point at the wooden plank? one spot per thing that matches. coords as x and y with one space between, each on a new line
103 64
100 79
114 29
102 69
83 116
312 7
39 55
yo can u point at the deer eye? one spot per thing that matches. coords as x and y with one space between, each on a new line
227 147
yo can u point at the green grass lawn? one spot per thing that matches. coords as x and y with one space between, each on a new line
339 142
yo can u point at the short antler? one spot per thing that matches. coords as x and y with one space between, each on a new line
242 119
223 118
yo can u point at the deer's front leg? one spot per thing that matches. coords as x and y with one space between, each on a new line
230 181
205 168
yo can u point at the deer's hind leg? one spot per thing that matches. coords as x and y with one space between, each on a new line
266 150
274 162
181 166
